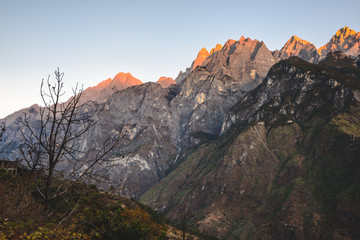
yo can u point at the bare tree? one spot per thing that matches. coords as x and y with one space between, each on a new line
184 220
2 131
58 137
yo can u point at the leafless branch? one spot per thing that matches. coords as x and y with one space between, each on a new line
56 137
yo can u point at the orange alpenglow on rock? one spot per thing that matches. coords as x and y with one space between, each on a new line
101 92
218 47
295 44
123 80
298 40
202 55
104 83
165 81
126 79
345 40
345 32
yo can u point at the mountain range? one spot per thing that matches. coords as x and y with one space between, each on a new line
250 143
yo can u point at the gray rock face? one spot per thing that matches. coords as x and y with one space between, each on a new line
15 127
246 61
200 58
299 85
141 116
213 87
182 75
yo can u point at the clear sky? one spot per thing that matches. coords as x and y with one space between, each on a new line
92 40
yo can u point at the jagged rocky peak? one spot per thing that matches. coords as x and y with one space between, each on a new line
231 47
345 40
122 80
247 41
202 55
182 75
126 79
166 81
294 40
296 46
345 32
246 61
101 92
228 44
211 89
218 47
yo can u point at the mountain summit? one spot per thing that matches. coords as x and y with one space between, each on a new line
166 81
296 46
101 92
126 80
202 55
345 40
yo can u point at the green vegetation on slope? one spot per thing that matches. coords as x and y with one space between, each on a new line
84 213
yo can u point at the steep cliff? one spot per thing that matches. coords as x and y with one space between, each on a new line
286 168
212 88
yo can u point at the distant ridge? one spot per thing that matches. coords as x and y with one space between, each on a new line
101 92
345 40
166 81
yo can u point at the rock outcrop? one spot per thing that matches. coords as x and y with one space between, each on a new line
165 82
141 117
246 61
300 48
345 40
213 87
101 92
218 47
202 55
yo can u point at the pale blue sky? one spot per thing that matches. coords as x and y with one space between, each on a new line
94 40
